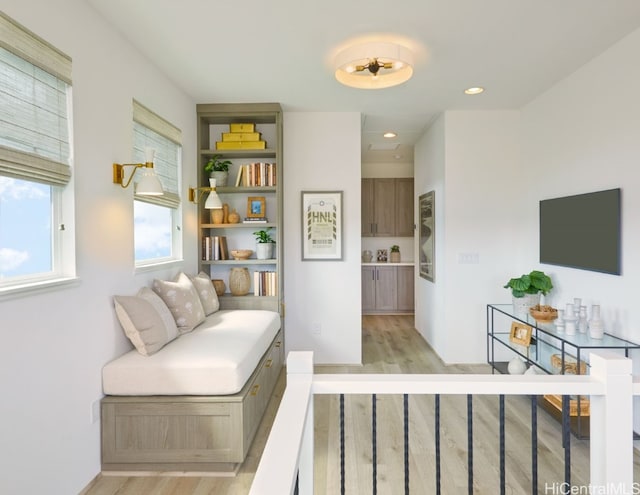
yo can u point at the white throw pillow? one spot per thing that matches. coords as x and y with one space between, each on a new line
146 321
207 293
183 301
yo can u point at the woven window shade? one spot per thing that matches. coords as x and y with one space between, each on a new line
35 100
152 131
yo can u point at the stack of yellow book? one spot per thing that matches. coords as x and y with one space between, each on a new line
241 137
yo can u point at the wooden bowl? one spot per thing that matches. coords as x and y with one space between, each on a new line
241 254
543 313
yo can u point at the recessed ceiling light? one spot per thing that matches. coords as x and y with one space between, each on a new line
473 91
389 134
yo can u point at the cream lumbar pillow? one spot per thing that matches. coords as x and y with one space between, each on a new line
206 292
183 301
146 321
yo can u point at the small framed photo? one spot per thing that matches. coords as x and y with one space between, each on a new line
256 207
382 255
520 334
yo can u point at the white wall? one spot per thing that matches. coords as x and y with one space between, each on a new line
470 158
55 344
583 136
322 153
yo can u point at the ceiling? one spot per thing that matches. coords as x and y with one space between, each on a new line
282 51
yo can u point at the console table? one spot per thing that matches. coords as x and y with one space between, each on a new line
549 352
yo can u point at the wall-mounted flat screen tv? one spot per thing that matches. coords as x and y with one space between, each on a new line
582 231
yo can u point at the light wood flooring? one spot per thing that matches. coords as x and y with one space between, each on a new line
392 345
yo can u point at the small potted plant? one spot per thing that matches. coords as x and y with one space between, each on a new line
527 288
218 169
264 248
394 257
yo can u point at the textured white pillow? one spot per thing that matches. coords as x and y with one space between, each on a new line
207 293
183 301
146 321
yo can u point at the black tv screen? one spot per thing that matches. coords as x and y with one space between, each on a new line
582 231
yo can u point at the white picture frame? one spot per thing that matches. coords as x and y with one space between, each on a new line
321 225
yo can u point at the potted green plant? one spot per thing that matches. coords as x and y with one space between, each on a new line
394 257
527 288
218 169
265 244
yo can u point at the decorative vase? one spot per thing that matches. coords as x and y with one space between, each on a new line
522 304
394 257
219 286
217 216
221 177
596 327
582 319
234 217
264 250
239 281
516 366
225 213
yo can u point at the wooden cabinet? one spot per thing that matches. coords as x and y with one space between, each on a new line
265 119
387 289
387 207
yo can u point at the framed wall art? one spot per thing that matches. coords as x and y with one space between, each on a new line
321 225
426 207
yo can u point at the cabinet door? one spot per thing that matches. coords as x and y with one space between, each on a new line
368 288
386 288
404 208
367 205
384 194
405 288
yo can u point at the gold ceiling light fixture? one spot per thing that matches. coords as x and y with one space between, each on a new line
374 65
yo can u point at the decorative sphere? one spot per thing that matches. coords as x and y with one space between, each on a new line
516 366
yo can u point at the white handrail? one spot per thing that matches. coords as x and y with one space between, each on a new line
289 450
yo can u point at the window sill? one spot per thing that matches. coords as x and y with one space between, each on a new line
158 265
39 287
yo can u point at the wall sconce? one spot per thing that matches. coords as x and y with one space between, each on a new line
213 200
148 185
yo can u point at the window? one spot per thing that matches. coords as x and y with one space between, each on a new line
157 218
36 240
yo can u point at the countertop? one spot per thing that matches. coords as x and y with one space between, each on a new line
383 263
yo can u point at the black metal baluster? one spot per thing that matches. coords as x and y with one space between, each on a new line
566 440
342 444
470 440
406 444
374 445
502 448
437 433
297 488
534 444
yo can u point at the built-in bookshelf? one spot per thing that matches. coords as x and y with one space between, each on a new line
255 178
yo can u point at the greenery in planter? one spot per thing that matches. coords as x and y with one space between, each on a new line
216 164
395 248
263 236
532 283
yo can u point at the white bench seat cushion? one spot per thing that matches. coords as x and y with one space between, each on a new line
217 358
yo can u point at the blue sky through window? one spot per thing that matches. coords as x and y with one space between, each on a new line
152 229
25 228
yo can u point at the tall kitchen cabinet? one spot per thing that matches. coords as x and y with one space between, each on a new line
387 207
214 120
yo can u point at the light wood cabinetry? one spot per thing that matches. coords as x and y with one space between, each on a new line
387 289
387 207
213 120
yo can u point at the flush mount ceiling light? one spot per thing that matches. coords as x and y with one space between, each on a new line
389 134
374 65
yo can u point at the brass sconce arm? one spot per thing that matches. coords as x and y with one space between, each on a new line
118 172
